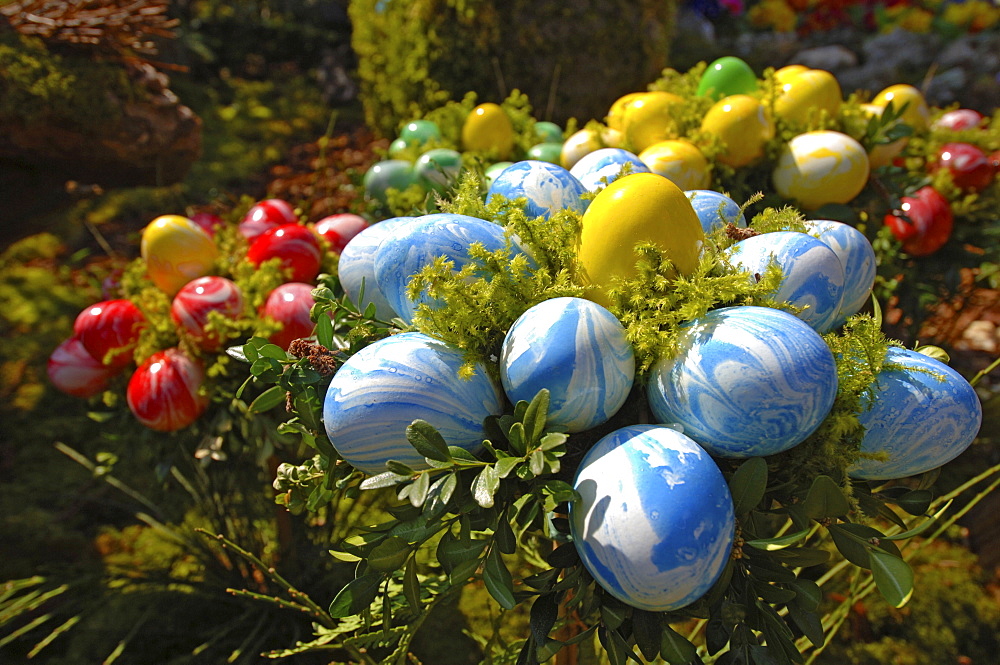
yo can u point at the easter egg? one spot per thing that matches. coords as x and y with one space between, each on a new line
643 207
921 414
655 522
547 188
748 381
821 167
882 154
744 127
786 73
806 94
109 331
605 164
923 222
399 149
678 161
388 174
438 169
958 120
812 274
856 256
715 210
488 129
417 243
176 251
387 385
295 246
587 140
547 132
164 392
339 229
207 221
649 119
968 165
616 114
290 305
916 113
356 268
418 132
265 215
193 304
546 152
495 169
578 351
72 370
726 76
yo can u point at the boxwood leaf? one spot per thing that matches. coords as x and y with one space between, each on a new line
647 629
427 441
324 331
675 648
748 484
825 499
893 577
389 555
359 594
535 415
544 612
268 399
498 580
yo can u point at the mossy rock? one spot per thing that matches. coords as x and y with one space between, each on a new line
571 60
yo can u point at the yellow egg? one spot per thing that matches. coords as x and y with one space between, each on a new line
785 73
176 251
644 207
648 119
916 115
821 167
743 125
488 129
617 111
680 162
586 141
811 89
883 154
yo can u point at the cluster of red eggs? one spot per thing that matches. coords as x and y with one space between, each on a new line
924 220
165 391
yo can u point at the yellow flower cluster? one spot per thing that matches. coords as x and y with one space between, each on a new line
773 14
974 15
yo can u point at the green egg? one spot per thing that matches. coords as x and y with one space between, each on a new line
548 132
388 174
550 151
419 132
438 169
726 76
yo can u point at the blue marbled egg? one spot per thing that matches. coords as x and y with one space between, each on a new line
748 381
922 414
418 242
387 385
605 163
578 351
357 266
813 276
655 522
857 257
547 188
715 210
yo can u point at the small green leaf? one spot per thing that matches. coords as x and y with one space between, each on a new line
675 648
238 353
801 557
807 594
535 415
515 435
411 585
418 490
498 580
544 612
389 555
552 440
854 549
536 462
916 502
357 596
748 484
564 556
484 486
647 629
268 399
506 542
250 353
779 543
808 622
427 441
893 577
324 331
387 479
923 526
452 551
273 351
461 454
773 594
825 499
399 468
613 612
506 464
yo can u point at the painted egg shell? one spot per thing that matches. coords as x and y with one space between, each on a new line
643 207
109 331
916 115
821 167
588 140
959 119
922 414
298 250
649 119
265 215
356 268
417 243
678 161
339 229
726 76
550 151
787 72
176 251
191 307
547 188
488 129
438 169
715 210
744 127
387 385
856 256
605 163
749 381
399 149
882 154
616 114
207 221
655 522
547 132
72 370
969 166
290 305
417 132
163 393
495 169
803 92
578 351
388 174
812 274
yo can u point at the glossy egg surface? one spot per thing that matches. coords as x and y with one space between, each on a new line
109 331
715 210
725 76
163 393
547 188
290 304
297 249
72 370
191 307
339 229
856 256
821 167
176 251
680 162
488 129
356 268
605 163
744 127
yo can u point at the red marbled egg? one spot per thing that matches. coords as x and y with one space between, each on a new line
163 392
192 305
74 371
207 221
289 304
265 215
110 327
296 246
970 167
339 229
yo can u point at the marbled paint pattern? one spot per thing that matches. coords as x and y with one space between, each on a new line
72 370
547 188
192 304
163 393
715 210
605 163
356 267
856 255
